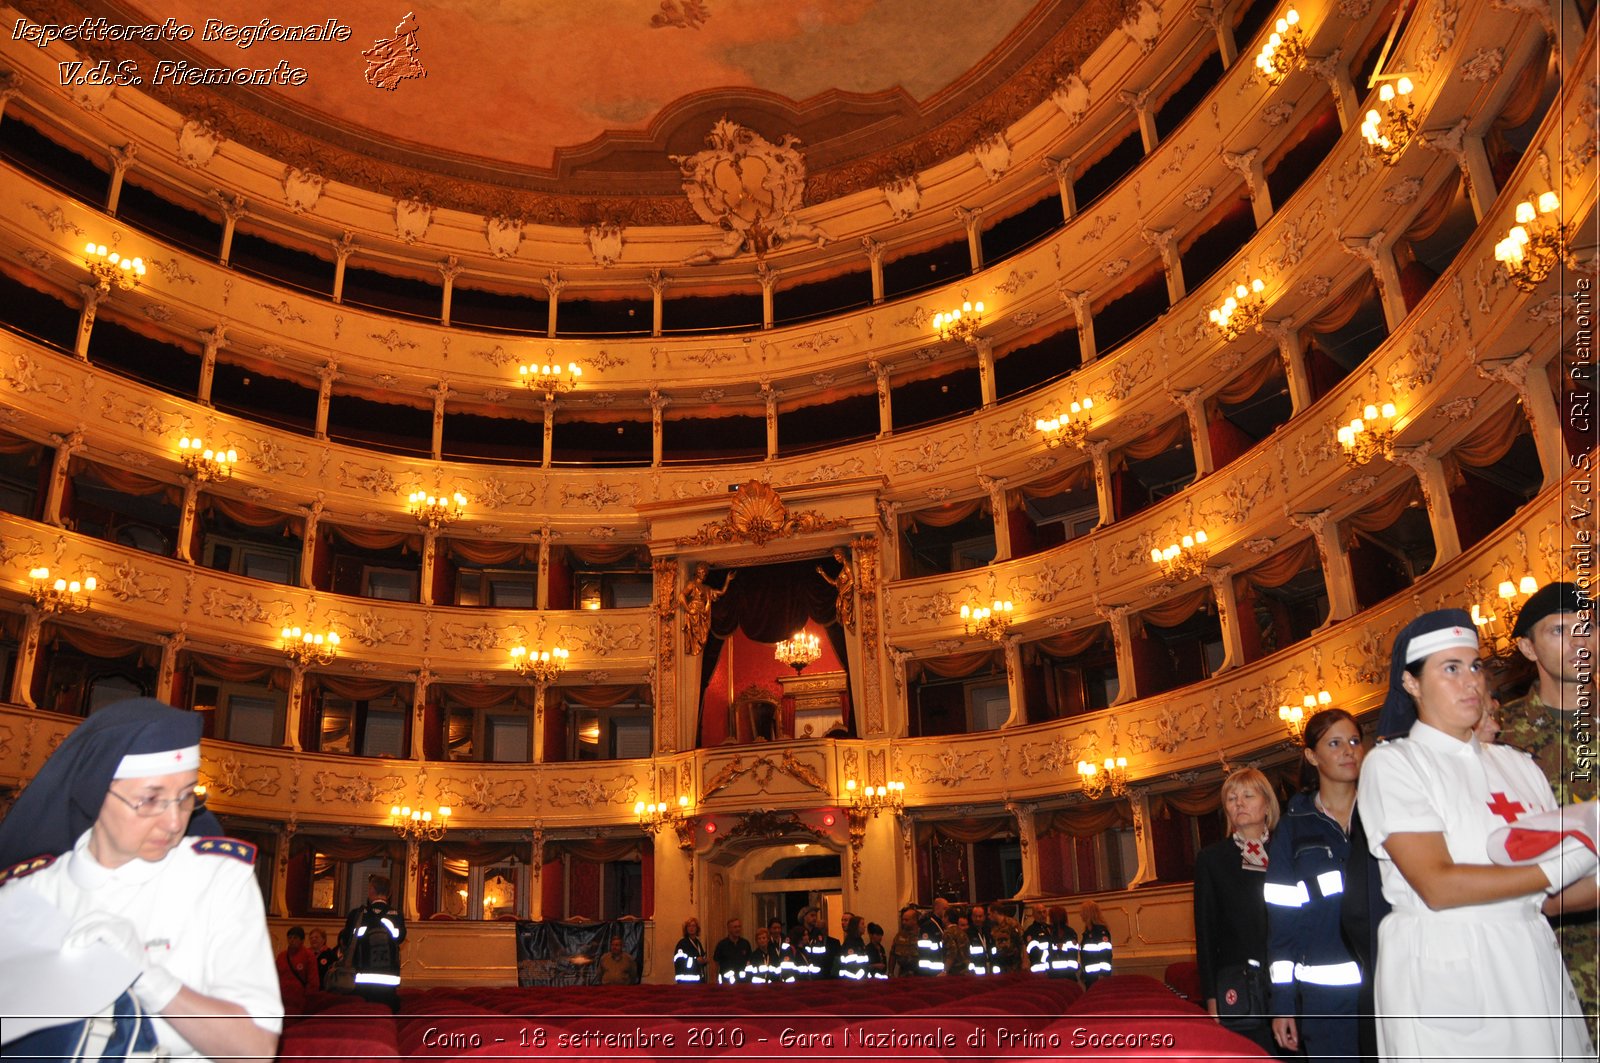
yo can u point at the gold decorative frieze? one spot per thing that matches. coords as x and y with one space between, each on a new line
762 770
757 515
482 792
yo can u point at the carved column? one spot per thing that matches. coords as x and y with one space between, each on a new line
215 339
969 217
875 249
552 286
440 392
233 208
770 396
60 465
449 270
1227 599
1336 575
1293 354
1028 842
92 297
1140 102
1099 456
536 894
1193 404
297 698
880 373
186 515
278 904
539 702
658 402
1083 317
1216 18
1436 494
997 514
1122 641
542 589
1472 160
342 249
986 384
419 713
1061 170
1538 406
769 284
1247 164
167 672
658 286
1011 645
1376 252
308 545
27 658
1143 838
549 444
1171 261
1336 72
325 378
121 159
430 553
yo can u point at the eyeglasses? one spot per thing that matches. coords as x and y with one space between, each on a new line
151 807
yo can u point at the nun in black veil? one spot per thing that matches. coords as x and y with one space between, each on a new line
113 834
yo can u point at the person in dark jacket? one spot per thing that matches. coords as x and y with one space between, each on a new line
375 932
1316 981
853 958
1064 953
1036 941
689 958
1230 913
877 955
1095 944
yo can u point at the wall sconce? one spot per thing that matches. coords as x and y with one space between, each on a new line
541 665
653 816
874 799
1241 311
1369 436
1184 559
1294 717
1067 429
1387 134
306 648
552 380
987 621
798 650
960 324
205 464
1535 245
108 268
1285 50
436 511
1495 629
1097 779
59 595
415 824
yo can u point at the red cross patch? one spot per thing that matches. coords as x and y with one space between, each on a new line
1506 809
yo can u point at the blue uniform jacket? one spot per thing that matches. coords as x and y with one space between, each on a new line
1304 891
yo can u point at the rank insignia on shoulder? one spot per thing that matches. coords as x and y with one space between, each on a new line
25 868
243 852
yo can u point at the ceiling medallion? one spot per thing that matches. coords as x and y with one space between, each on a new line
749 188
757 515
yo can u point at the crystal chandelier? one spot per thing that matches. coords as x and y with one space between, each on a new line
798 650
1369 436
108 268
1184 559
436 511
417 824
1388 131
1068 429
987 621
539 664
60 595
305 647
205 464
1536 244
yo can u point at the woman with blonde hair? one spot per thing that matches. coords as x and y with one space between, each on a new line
1095 945
1230 912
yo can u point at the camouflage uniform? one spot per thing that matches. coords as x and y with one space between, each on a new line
1542 732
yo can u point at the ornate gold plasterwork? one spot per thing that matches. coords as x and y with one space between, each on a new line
749 188
757 515
762 770
482 793
764 824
